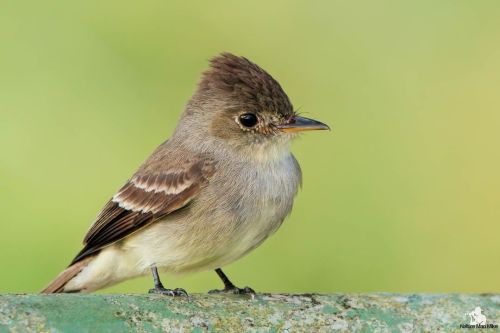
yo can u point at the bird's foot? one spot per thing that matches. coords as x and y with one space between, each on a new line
168 292
234 290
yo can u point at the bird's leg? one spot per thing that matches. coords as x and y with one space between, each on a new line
229 287
160 289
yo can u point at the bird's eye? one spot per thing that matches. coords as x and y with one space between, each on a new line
248 119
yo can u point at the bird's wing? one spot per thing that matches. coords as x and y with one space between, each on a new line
160 187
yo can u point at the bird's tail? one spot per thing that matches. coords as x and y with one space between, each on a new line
57 285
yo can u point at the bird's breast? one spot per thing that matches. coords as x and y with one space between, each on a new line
242 205
255 199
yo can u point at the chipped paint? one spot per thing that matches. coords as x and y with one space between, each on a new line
265 313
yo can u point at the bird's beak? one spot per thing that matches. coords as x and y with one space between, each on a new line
300 124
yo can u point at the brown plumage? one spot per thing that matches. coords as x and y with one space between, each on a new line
244 84
159 187
57 285
214 191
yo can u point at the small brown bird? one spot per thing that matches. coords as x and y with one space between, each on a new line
216 190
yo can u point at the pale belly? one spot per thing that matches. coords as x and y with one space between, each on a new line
223 224
176 248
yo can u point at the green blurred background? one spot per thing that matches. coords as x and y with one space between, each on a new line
403 195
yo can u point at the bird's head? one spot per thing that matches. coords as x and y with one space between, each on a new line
242 107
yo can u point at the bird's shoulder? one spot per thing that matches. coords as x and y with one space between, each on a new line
167 181
170 174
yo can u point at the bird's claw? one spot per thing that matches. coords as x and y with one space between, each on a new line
234 290
168 292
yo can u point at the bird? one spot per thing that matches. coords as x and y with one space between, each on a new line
215 190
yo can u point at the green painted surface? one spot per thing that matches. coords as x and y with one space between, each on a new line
264 313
